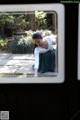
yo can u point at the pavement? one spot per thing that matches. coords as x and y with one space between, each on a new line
13 65
16 64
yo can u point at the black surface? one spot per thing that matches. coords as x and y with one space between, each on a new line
58 101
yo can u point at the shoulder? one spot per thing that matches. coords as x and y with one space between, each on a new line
46 38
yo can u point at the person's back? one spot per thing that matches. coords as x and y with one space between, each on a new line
49 41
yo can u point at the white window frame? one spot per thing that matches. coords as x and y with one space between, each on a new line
60 10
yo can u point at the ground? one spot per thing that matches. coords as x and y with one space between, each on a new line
16 65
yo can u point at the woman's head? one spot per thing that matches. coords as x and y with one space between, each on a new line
37 38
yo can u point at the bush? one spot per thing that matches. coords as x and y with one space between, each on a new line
22 45
3 44
46 32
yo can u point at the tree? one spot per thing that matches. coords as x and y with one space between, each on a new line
41 21
4 19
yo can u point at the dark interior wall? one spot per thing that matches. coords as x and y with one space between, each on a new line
58 101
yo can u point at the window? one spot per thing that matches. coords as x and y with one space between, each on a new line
18 23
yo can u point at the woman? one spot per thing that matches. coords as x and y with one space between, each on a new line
44 44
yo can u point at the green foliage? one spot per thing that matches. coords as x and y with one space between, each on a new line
13 22
19 22
46 32
4 17
22 46
3 43
40 19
